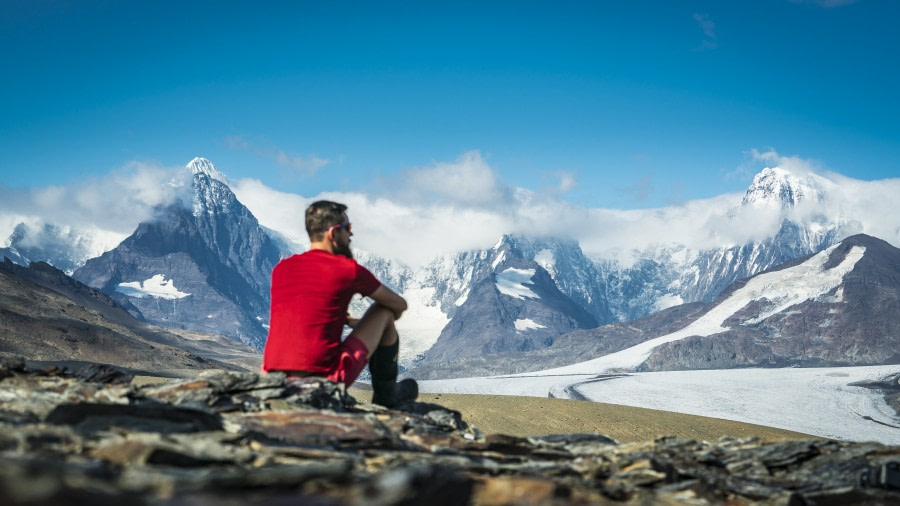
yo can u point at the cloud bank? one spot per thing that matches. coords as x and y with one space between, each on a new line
462 204
459 205
106 210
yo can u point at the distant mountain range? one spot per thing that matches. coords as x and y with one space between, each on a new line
204 266
838 307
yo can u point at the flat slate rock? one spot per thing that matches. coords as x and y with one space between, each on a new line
227 438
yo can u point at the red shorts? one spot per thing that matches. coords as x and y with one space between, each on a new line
353 359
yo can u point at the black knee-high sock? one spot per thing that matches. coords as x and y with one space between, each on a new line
383 363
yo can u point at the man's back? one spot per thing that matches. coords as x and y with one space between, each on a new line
310 296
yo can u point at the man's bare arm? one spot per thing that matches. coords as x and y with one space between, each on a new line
387 298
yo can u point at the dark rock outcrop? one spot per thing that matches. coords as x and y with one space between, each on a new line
228 438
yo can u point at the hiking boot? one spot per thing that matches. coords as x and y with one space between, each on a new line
391 394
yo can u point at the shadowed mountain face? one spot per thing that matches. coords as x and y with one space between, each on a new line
205 269
48 316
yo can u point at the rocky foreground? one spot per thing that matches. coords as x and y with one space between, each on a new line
225 438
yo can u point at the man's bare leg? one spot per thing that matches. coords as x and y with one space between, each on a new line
376 328
377 331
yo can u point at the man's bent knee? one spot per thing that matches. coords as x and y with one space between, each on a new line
376 327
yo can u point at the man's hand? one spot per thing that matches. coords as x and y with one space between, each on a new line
351 321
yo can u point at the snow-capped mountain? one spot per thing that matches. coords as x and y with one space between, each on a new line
206 267
779 187
826 309
837 307
516 306
61 246
664 276
834 308
574 274
672 274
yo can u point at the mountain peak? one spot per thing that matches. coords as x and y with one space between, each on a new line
201 165
777 186
212 193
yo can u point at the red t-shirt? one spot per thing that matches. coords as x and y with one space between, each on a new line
310 296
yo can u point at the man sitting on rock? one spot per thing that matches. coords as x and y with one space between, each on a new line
310 296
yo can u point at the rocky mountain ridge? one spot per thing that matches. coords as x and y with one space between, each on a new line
518 307
53 318
205 268
847 326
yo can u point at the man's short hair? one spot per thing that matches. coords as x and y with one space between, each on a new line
322 214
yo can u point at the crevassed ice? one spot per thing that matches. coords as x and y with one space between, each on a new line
512 282
157 286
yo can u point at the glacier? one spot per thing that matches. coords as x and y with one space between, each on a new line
817 401
156 286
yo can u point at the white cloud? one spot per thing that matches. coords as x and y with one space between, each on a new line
307 166
303 166
826 4
793 164
709 31
567 182
562 181
102 211
284 212
467 181
460 205
464 205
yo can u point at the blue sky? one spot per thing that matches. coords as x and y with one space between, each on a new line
615 104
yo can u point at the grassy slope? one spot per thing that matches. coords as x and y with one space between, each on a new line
535 416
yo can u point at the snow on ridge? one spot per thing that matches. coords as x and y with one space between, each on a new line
781 289
512 282
666 301
497 261
778 186
545 259
201 165
527 324
157 287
